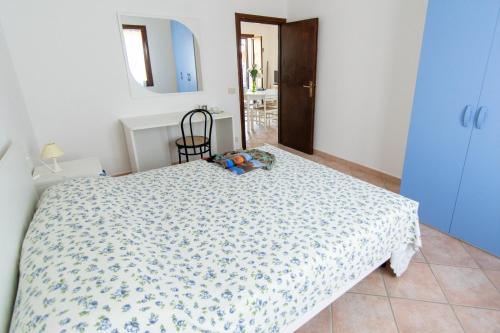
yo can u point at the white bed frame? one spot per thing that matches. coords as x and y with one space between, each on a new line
17 204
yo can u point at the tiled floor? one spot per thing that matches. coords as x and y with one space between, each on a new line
261 135
449 287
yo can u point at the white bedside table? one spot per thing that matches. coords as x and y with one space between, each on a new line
87 167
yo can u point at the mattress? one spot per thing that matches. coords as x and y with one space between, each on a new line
195 248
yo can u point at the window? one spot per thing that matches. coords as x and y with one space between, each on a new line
251 53
136 45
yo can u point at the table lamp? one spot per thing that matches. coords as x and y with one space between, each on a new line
52 151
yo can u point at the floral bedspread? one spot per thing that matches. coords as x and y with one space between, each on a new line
194 248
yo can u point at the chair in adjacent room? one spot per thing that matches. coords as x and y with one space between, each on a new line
190 144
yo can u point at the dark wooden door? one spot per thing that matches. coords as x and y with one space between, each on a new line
298 49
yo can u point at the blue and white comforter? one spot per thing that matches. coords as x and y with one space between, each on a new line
195 248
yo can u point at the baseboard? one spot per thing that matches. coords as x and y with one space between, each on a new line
121 174
359 167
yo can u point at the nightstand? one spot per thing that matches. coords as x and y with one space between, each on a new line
87 167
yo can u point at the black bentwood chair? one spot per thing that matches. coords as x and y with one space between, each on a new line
191 145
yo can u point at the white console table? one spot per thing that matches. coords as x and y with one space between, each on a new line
151 139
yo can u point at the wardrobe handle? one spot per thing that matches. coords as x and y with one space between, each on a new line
481 117
467 116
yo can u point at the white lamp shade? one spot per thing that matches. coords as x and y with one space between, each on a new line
51 150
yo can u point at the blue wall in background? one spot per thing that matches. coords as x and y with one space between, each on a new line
185 59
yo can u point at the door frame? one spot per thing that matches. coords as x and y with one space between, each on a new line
240 17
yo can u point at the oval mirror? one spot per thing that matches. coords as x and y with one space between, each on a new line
162 54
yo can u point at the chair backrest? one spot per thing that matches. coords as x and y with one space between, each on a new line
206 120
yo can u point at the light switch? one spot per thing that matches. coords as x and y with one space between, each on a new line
231 91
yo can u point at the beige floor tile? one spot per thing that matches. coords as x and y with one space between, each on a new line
441 249
424 317
467 286
261 135
321 323
317 159
494 277
425 230
368 177
357 313
478 320
393 187
418 282
373 284
418 257
338 166
483 259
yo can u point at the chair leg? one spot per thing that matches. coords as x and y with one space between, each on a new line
265 114
187 155
179 152
252 118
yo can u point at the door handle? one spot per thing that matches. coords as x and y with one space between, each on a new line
467 116
309 86
481 117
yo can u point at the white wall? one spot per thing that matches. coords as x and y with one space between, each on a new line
270 44
161 52
368 55
15 123
68 57
69 61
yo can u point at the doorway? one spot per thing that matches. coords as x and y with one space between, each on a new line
277 80
258 69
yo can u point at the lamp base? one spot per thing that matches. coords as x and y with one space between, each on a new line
55 167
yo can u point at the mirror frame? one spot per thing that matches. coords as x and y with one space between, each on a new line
138 91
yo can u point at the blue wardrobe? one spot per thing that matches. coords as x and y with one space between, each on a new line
452 164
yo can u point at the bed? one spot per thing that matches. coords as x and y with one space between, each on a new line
195 248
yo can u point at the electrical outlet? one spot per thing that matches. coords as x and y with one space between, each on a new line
231 91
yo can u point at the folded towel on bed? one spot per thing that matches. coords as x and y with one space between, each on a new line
234 160
243 161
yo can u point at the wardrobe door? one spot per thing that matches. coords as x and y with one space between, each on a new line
477 213
457 40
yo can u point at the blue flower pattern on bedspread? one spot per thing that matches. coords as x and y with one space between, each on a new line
194 248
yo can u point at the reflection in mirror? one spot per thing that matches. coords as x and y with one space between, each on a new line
162 54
